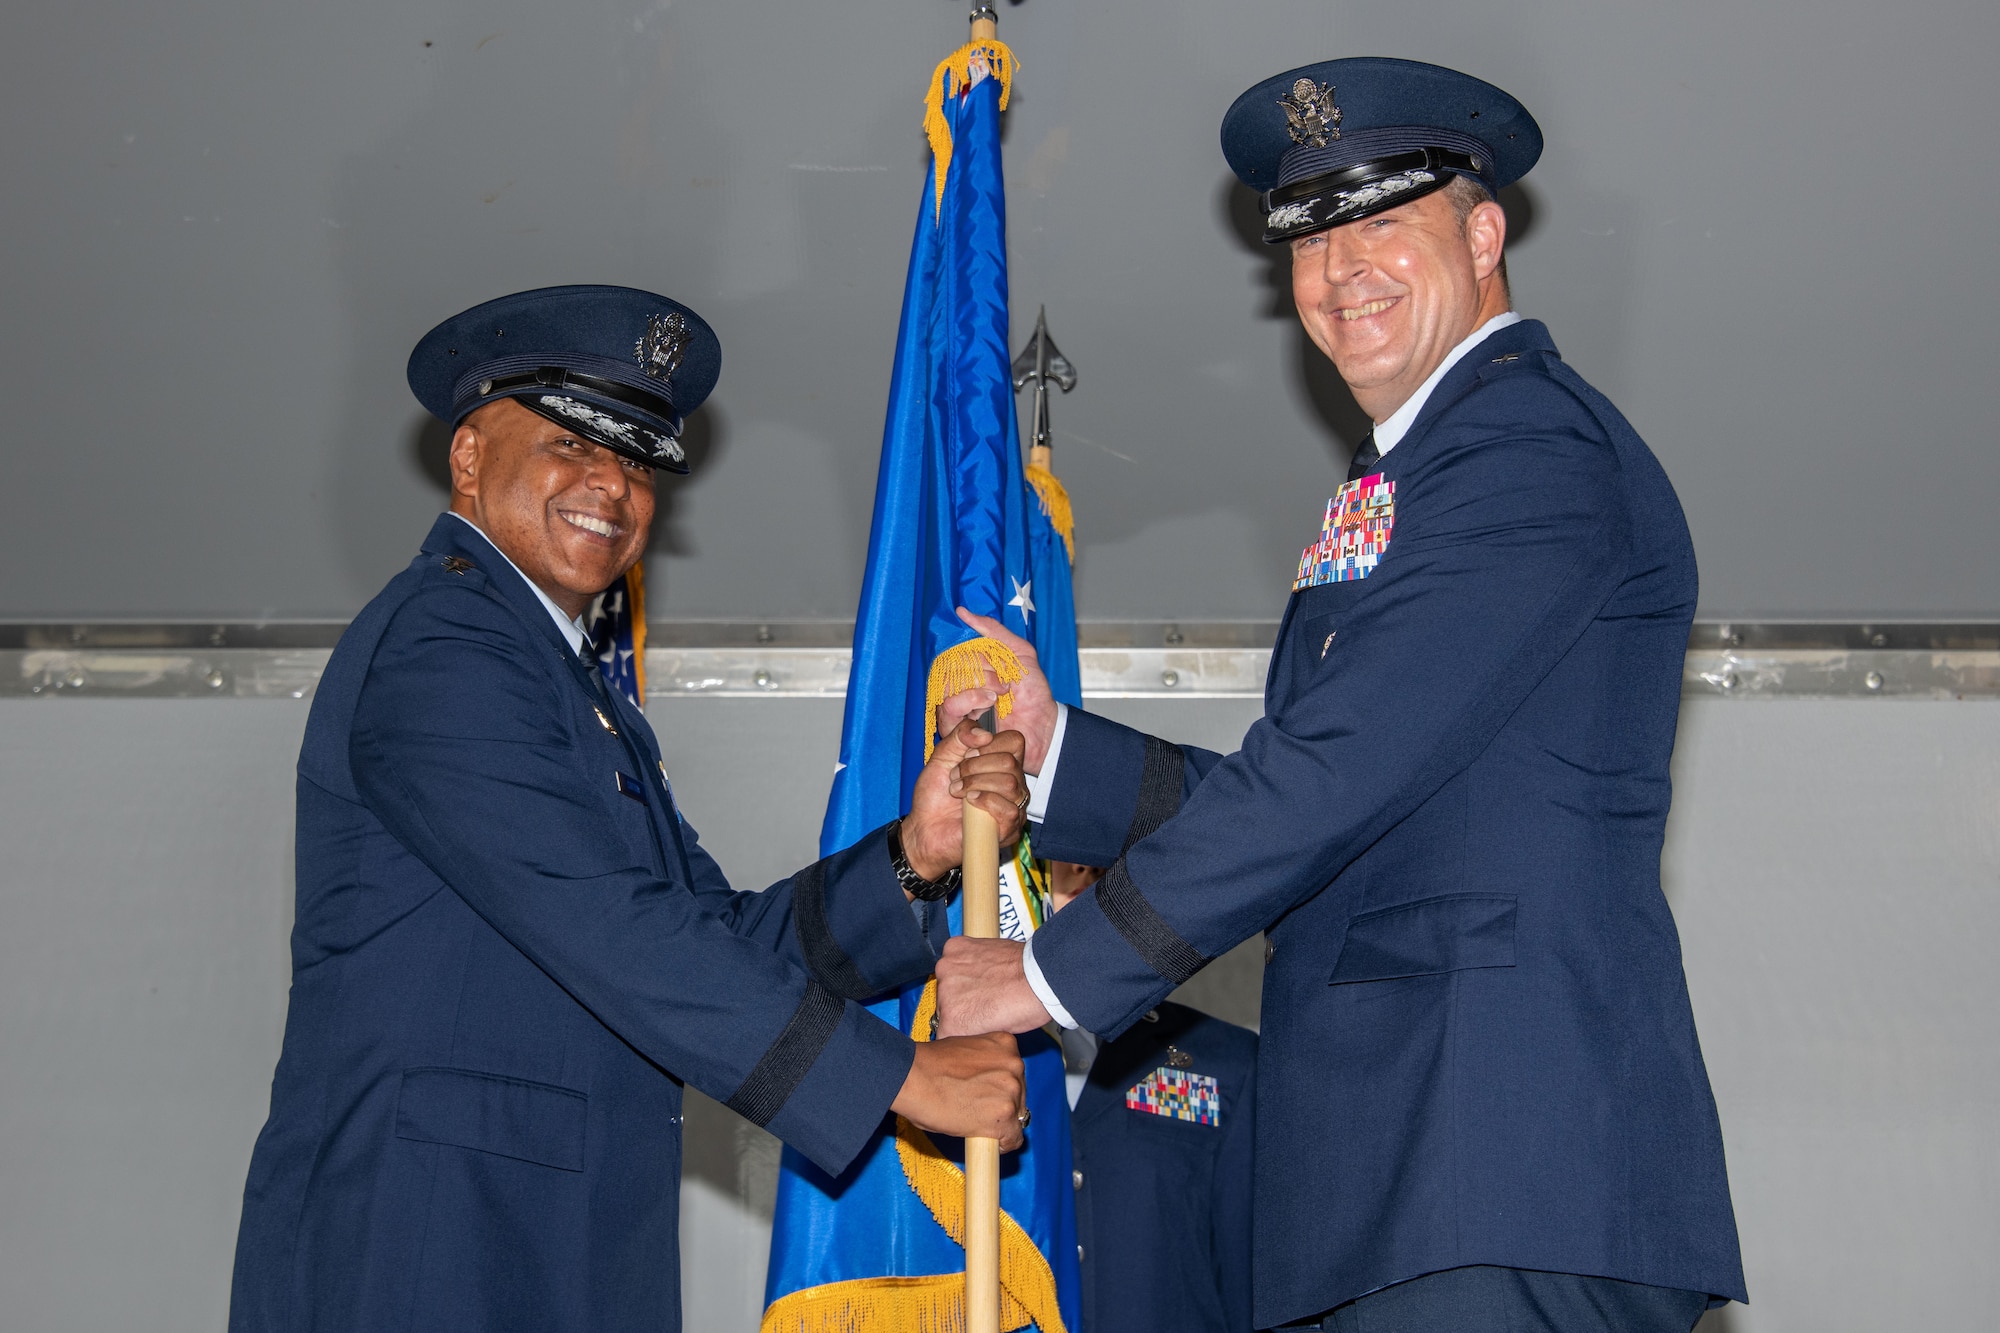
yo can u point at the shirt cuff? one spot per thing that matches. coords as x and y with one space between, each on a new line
1042 783
1039 984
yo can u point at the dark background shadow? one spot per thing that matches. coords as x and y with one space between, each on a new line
1324 390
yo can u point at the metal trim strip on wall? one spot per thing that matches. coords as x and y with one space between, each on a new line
1120 659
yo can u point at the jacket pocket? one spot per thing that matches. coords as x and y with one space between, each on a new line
509 1117
1432 935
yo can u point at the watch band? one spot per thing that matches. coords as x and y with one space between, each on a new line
928 890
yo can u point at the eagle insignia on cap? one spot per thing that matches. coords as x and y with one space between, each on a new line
1310 114
664 344
1286 216
1367 196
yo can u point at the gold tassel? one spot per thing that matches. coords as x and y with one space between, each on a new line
1055 504
934 1304
963 667
957 67
635 603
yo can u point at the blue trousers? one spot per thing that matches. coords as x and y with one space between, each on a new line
1516 1300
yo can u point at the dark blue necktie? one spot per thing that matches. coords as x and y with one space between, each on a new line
1365 459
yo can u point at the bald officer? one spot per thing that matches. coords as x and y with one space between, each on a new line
510 948
1481 1105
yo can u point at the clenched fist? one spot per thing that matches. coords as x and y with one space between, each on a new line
977 766
968 1087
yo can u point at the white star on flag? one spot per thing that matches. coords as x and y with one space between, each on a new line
1023 597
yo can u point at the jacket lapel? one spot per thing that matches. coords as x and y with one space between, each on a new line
1514 341
453 536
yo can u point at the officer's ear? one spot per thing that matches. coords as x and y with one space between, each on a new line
1486 235
468 451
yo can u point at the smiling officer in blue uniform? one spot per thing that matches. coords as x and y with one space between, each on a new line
510 949
1481 1104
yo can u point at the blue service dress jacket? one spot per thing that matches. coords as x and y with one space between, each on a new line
1477 1045
509 953
1163 1186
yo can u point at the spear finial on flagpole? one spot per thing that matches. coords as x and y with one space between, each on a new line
1041 362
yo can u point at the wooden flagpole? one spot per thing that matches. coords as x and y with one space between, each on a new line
980 905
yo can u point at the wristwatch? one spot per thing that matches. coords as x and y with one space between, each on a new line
929 890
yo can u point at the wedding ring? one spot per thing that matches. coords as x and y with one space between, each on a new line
1024 1117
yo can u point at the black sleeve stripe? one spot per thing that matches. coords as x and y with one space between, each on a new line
825 959
784 1066
1160 782
1158 944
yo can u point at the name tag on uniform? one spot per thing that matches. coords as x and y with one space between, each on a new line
629 786
1178 1095
1352 536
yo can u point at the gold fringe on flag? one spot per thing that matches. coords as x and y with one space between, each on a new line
948 80
635 605
934 1304
1055 504
965 666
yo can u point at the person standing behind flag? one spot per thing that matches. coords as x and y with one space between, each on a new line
1161 1124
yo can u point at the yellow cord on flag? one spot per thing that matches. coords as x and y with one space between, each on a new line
1055 504
965 666
956 73
934 1304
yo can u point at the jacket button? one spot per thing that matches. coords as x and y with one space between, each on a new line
1079 1254
1076 1178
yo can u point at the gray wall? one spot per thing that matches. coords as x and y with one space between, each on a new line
1833 865
1763 227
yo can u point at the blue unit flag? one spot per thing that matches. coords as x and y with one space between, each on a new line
880 1246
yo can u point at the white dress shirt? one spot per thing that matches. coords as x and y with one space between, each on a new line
1388 434
572 630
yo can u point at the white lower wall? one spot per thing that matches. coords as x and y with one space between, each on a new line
1835 867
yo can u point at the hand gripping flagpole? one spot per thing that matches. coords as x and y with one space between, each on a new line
980 907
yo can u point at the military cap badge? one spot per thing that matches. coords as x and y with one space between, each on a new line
616 365
663 345
1310 114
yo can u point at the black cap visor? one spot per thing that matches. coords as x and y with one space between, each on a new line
1364 189
630 422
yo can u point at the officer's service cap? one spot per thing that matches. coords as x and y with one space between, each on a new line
613 364
1333 142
